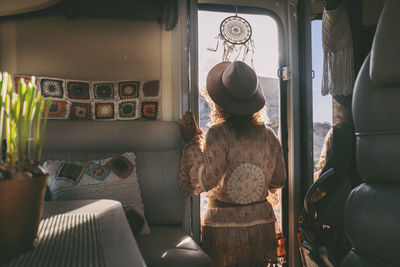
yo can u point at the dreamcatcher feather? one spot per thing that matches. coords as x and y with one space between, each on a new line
235 34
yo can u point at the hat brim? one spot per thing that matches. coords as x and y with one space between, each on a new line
225 100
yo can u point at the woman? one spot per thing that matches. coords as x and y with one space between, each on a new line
240 163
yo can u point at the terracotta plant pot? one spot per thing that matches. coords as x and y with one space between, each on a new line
21 205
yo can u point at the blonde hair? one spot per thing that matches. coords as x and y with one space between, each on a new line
341 113
240 123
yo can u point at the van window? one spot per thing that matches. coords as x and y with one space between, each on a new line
322 105
265 61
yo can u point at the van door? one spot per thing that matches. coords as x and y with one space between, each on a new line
274 27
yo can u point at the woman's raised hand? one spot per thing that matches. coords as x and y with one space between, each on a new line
189 126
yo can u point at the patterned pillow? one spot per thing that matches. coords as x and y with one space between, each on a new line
112 178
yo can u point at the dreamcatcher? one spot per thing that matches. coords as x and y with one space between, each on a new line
235 35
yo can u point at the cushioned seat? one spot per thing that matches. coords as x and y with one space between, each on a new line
171 246
157 146
372 209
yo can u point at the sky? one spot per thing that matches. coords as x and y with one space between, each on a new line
265 33
322 105
266 56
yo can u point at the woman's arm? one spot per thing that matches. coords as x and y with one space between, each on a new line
201 169
279 175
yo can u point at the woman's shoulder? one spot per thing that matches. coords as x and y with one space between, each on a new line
262 131
269 135
269 131
219 127
265 129
218 130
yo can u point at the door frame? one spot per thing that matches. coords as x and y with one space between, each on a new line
283 130
185 81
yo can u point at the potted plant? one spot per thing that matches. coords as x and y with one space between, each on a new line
22 180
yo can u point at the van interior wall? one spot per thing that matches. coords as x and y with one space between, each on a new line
89 49
364 15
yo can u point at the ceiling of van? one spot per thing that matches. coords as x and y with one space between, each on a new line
163 11
12 7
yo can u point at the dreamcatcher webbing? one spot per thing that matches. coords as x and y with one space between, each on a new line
235 35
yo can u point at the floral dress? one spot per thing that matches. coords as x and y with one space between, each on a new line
237 171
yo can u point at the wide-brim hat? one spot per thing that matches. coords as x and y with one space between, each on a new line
234 87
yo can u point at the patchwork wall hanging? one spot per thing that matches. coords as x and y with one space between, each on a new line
100 100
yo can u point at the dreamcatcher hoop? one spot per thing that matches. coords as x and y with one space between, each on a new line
235 33
235 30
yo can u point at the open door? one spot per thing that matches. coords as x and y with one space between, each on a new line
264 49
275 25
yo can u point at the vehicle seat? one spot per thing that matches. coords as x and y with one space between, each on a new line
372 209
157 146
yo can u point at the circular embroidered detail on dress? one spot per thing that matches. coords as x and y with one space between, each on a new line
246 184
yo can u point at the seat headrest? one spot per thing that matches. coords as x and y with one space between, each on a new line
385 52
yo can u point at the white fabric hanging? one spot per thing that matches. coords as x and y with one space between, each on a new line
337 43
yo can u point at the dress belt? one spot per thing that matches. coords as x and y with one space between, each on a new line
215 203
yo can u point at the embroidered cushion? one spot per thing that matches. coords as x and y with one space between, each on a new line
112 178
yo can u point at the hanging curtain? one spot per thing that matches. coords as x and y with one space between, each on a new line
337 42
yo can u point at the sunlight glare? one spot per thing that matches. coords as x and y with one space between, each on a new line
184 241
265 32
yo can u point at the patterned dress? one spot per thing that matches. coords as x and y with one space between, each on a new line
237 171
